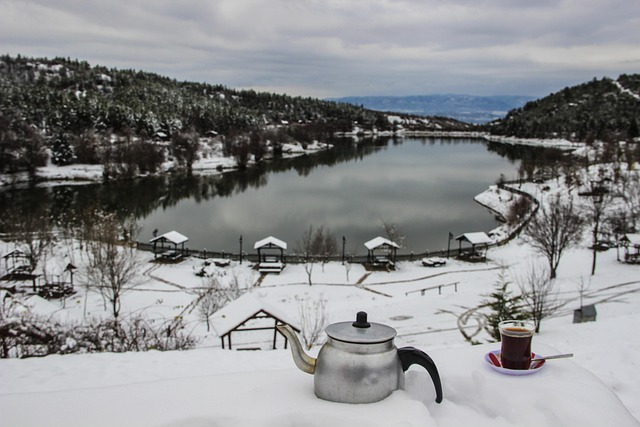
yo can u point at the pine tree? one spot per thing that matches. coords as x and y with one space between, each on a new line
502 305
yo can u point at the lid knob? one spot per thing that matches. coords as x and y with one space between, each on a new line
361 320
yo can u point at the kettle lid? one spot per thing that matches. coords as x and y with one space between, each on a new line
361 331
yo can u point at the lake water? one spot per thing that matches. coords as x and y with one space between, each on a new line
425 186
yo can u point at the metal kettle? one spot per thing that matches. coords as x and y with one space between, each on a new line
359 362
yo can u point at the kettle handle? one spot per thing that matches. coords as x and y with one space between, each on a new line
411 355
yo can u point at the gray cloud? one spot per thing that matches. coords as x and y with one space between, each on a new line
337 47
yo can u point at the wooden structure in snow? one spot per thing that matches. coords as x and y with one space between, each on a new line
586 313
381 253
169 246
16 261
270 254
631 244
249 314
477 239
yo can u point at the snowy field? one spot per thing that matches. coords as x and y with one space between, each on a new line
56 390
211 386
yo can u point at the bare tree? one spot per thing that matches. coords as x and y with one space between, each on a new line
538 296
212 296
34 231
556 228
313 319
113 264
316 245
393 233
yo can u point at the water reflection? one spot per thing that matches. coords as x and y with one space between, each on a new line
424 185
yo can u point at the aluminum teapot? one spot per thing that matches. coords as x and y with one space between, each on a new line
359 362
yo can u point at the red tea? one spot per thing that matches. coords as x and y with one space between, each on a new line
516 348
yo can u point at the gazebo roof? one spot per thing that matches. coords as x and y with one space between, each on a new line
380 241
172 236
16 253
270 241
244 308
632 238
477 238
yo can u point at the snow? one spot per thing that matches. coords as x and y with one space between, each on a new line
380 241
476 238
627 91
172 236
237 312
270 241
211 386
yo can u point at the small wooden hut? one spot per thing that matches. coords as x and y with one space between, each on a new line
631 244
249 315
381 252
479 242
169 246
16 261
270 254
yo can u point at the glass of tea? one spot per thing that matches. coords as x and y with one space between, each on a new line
515 351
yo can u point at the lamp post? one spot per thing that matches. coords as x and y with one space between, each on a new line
344 242
241 249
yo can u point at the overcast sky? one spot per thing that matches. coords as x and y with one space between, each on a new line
328 48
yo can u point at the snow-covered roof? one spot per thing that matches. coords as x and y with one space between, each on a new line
270 241
239 311
172 236
380 241
477 238
633 238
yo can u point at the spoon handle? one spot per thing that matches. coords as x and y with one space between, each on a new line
555 356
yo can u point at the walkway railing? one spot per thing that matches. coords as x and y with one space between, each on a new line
411 256
438 287
295 258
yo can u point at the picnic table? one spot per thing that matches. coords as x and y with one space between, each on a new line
434 262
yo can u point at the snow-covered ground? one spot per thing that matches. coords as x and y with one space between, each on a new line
141 388
211 386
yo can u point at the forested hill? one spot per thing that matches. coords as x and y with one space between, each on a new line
72 96
604 109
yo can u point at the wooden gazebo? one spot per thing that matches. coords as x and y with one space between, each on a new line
270 254
16 261
381 252
249 315
631 244
169 246
477 239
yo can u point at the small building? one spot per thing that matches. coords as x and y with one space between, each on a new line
479 242
251 317
17 261
586 313
270 254
631 244
19 272
169 246
381 253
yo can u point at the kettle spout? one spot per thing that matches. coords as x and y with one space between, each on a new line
302 360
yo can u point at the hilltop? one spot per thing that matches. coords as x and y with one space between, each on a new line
602 109
70 112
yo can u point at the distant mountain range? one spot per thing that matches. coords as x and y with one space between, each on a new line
466 108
